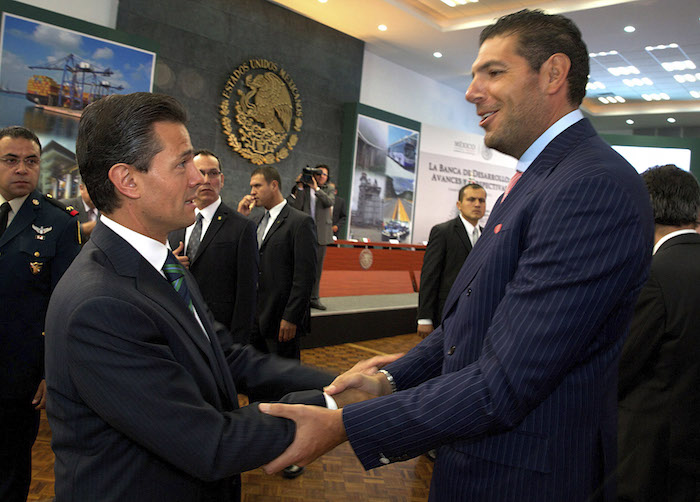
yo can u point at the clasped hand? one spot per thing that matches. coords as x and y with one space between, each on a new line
319 430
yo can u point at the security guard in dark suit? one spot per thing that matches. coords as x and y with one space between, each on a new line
39 238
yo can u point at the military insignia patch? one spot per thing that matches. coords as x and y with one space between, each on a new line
35 267
42 230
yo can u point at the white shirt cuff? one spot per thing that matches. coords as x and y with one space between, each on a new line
425 321
330 402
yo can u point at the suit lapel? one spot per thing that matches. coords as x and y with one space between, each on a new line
216 224
462 234
149 282
519 195
276 224
24 217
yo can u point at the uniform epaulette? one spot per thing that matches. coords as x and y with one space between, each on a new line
68 209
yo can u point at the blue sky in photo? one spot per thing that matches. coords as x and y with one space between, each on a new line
30 43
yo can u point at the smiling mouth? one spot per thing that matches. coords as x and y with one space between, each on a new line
485 117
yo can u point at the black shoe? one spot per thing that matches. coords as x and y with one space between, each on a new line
432 455
293 471
318 305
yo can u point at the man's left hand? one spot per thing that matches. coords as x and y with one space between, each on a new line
288 331
40 397
319 430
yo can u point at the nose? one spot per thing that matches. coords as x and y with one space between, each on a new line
474 92
196 177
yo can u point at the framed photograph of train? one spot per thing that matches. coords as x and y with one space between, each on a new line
51 67
385 156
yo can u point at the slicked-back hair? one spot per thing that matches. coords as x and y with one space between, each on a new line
474 186
541 35
270 174
20 132
119 129
204 151
675 195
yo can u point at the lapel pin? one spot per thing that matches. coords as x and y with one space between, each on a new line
497 228
35 202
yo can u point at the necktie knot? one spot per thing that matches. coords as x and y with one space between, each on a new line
511 184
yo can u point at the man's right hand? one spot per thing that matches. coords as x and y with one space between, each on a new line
425 329
182 258
365 377
246 205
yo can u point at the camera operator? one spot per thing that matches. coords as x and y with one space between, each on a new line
314 195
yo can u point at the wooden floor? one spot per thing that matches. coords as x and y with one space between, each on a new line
338 476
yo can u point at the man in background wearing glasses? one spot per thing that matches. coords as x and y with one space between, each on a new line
220 250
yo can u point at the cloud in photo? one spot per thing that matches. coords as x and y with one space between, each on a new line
103 53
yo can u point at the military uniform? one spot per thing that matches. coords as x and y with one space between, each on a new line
35 250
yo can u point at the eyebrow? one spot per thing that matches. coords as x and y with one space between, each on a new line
488 64
18 156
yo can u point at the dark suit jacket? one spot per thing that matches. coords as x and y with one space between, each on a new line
142 406
287 272
35 250
340 215
77 204
517 386
659 413
325 198
448 247
226 270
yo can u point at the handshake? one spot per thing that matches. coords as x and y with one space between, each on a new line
319 430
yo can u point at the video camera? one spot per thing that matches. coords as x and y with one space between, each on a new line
308 172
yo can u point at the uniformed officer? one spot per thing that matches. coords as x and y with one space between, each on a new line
38 241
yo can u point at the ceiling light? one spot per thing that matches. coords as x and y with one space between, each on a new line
623 70
603 100
629 29
695 94
382 27
665 96
671 120
629 121
595 85
437 54
600 54
450 3
634 82
647 97
678 65
322 1
461 2
620 99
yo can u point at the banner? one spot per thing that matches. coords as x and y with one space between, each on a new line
449 160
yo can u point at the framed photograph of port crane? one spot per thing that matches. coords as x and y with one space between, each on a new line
53 66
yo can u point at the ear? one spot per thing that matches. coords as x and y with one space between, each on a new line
222 179
122 177
554 72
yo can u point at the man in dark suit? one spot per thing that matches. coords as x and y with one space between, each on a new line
316 196
221 252
286 239
87 212
287 243
38 241
659 408
142 397
517 386
448 246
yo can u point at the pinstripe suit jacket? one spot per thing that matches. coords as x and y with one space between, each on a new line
142 407
517 387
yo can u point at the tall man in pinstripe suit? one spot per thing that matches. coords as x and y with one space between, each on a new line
517 387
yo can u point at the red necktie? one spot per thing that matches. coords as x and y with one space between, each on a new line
512 183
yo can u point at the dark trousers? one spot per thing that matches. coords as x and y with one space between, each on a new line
320 256
289 350
19 425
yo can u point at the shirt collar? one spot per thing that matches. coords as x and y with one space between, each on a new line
15 204
276 210
467 226
208 212
154 252
541 143
671 236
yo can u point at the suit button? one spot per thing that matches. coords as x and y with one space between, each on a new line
451 351
469 291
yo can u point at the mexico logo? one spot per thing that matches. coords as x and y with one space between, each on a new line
265 104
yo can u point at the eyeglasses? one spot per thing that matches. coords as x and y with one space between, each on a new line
13 162
211 173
